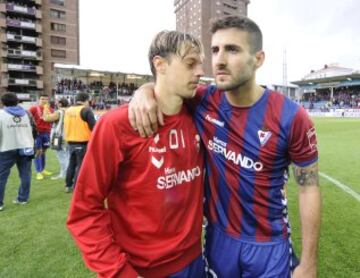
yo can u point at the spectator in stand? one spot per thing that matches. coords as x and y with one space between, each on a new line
42 141
79 121
16 146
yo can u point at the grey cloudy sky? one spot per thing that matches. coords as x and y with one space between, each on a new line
116 35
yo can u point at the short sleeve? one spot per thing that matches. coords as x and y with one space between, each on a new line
302 140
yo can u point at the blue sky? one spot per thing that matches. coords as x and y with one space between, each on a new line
116 36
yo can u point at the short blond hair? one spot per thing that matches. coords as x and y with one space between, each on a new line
168 43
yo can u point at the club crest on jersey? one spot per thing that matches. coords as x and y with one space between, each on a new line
17 119
264 136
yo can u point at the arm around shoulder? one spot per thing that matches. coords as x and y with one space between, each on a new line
144 112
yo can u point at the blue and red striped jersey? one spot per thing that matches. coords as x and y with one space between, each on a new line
248 153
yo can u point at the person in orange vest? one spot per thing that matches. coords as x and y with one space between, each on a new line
78 123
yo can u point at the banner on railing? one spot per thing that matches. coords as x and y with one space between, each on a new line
337 113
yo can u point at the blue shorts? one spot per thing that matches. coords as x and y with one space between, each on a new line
42 141
195 269
230 257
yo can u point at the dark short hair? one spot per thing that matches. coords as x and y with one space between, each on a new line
64 102
242 23
9 99
43 95
167 43
82 96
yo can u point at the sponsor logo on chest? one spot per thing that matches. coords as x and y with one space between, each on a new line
174 140
173 178
220 147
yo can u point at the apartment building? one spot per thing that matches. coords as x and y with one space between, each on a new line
34 35
193 16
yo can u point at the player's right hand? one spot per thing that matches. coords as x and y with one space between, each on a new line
144 112
304 272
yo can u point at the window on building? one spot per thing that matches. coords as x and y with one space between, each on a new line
58 27
56 53
58 40
58 2
57 14
229 6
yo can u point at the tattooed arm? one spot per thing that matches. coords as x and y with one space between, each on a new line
310 215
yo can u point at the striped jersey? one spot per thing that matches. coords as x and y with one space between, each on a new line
248 153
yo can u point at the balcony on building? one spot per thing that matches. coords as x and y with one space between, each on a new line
25 82
17 8
24 39
23 23
22 68
24 54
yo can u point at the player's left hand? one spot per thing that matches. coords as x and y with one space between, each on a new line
304 272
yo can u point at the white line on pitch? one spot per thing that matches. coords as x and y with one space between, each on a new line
341 186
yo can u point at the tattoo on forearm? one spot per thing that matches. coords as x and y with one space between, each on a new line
307 176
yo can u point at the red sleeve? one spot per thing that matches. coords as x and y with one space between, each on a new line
303 142
89 221
32 110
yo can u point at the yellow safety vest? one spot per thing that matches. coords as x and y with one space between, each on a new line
75 128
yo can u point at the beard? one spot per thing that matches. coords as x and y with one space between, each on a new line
236 79
234 83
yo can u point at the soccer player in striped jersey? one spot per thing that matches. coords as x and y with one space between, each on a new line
251 136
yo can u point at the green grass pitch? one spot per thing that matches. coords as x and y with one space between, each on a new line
36 243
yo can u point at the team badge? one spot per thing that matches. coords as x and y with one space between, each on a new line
17 119
264 136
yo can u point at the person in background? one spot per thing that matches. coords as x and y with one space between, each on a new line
57 133
79 121
42 141
16 147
